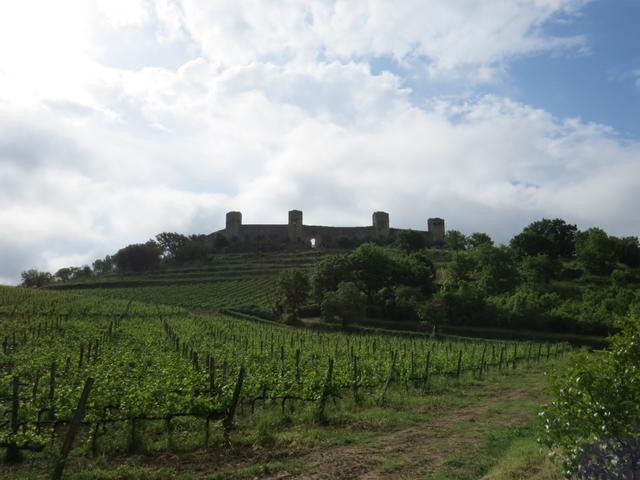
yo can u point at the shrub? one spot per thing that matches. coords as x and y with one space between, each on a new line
346 305
593 422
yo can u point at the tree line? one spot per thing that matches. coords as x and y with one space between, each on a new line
551 276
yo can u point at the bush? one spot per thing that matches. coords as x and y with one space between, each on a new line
292 291
346 305
593 422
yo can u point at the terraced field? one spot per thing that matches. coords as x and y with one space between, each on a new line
231 280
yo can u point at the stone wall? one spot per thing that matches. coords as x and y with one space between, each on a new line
296 233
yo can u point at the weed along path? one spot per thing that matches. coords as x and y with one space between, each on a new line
461 438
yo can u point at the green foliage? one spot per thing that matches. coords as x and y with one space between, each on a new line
346 305
627 250
171 242
496 269
418 271
455 240
595 251
539 270
151 362
410 240
461 269
527 308
292 291
462 303
103 266
329 272
139 257
555 238
34 278
373 268
478 238
401 302
593 422
195 248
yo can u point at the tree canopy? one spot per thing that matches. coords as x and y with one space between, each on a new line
138 257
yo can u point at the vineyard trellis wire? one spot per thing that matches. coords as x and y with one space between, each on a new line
159 363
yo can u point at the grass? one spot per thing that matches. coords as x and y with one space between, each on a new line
269 442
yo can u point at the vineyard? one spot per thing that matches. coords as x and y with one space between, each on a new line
206 297
143 366
231 280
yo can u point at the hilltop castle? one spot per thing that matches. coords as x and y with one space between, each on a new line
295 232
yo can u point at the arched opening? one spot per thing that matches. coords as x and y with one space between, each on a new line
313 243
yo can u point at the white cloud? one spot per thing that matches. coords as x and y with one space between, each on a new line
451 37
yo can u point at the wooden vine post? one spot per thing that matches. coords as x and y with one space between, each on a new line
324 395
392 368
227 423
78 415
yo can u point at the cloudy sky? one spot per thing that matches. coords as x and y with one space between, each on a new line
122 119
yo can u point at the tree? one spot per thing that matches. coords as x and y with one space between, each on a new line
292 291
417 270
170 242
539 269
373 268
410 240
138 257
328 273
103 266
35 279
478 238
195 247
595 251
401 302
627 250
555 238
455 240
346 305
593 421
63 275
461 268
496 269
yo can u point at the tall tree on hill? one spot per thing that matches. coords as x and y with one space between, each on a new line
555 238
596 251
328 273
34 278
455 240
171 242
373 268
627 250
292 291
139 257
478 238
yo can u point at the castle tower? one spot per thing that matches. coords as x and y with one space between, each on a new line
381 225
295 225
234 222
435 226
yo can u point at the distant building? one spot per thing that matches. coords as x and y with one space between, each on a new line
296 233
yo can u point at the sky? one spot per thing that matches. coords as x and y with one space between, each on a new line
121 119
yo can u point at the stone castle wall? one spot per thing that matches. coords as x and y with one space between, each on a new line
296 233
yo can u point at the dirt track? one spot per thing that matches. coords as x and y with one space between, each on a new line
422 450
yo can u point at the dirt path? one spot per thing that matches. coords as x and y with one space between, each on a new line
421 451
